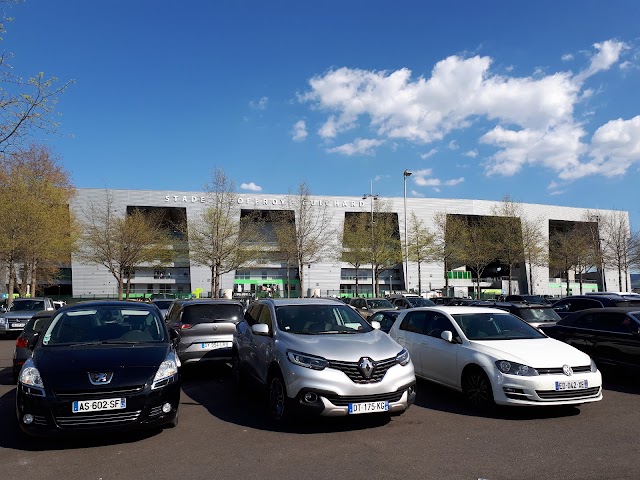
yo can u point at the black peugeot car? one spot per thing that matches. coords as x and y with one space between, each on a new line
100 365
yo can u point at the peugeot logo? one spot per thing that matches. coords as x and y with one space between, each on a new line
366 366
567 370
100 378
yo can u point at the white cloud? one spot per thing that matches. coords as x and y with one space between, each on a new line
567 57
415 193
532 116
299 132
251 186
428 154
361 146
261 104
423 178
471 154
453 145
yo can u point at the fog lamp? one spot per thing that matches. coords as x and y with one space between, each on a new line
166 408
27 419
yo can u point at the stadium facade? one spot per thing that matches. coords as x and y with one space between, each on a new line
329 276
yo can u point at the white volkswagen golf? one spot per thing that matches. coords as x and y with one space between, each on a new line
494 357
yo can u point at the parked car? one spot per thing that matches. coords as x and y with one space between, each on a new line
610 335
539 299
409 301
385 318
163 304
320 357
22 352
99 365
576 303
441 300
369 306
494 357
20 311
459 302
535 315
202 330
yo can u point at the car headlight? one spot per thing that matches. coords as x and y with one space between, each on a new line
308 361
403 357
167 370
513 368
30 376
594 367
3 321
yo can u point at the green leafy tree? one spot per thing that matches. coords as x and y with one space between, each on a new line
420 244
355 243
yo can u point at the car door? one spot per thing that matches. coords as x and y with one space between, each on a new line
263 345
617 341
409 334
246 340
438 357
581 333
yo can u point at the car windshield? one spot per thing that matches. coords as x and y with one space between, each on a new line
495 326
104 324
379 303
211 312
420 302
19 305
163 303
320 319
539 314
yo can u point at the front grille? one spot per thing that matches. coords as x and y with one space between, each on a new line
96 394
558 370
39 420
352 370
381 397
156 411
97 419
568 394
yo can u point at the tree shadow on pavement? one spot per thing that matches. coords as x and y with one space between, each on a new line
212 388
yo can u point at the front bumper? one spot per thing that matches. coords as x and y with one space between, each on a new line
52 412
542 389
332 390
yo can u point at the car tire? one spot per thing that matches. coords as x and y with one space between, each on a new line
279 404
238 376
477 390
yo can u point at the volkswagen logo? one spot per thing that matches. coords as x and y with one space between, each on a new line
100 378
567 370
366 366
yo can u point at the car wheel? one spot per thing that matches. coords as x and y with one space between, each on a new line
174 423
278 401
477 390
239 380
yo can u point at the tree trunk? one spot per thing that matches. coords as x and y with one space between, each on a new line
288 279
477 286
510 287
357 281
120 286
128 290
22 286
580 277
213 280
33 279
446 279
530 279
619 277
301 275
12 283
419 280
567 273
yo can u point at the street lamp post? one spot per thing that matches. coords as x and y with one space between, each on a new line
405 174
373 275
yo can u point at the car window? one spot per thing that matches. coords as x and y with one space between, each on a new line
538 314
26 304
438 323
265 317
420 302
252 314
584 303
495 326
104 324
415 322
36 324
379 303
562 306
196 314
320 319
615 322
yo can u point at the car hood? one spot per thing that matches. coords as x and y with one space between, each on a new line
68 367
348 347
536 353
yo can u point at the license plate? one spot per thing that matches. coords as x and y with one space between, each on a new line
17 325
368 407
82 406
216 345
572 385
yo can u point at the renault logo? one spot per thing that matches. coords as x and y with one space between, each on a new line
100 378
567 370
366 366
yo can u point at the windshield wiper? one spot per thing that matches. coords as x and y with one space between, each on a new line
337 331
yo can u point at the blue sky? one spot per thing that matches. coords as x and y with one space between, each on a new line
536 100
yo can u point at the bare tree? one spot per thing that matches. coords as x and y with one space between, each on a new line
355 243
448 241
563 251
535 247
26 104
217 239
616 248
509 241
480 247
420 246
122 242
311 235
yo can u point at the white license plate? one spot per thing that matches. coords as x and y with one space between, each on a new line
572 385
368 407
17 325
216 345
82 406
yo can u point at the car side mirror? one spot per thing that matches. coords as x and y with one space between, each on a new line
260 329
31 344
375 324
365 308
447 335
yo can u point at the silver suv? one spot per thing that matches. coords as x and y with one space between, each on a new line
319 356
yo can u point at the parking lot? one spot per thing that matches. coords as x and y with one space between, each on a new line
223 436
